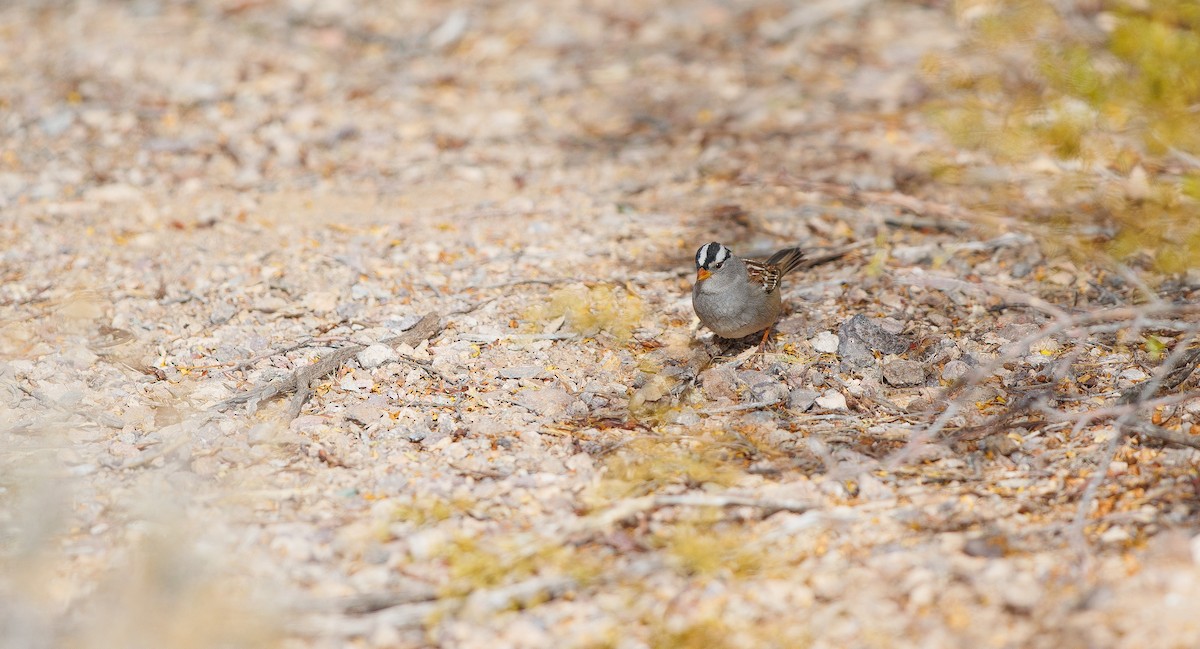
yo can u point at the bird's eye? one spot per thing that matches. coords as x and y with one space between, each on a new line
718 265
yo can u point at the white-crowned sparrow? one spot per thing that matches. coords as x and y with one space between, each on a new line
736 297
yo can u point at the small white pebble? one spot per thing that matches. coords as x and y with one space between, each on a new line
832 400
376 355
825 342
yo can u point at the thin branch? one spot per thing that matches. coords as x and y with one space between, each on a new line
1121 318
723 500
1186 365
406 615
423 330
1165 434
491 338
249 362
425 366
302 395
1012 295
181 438
102 418
1108 412
1076 530
521 282
741 407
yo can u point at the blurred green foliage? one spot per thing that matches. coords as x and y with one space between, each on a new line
1110 91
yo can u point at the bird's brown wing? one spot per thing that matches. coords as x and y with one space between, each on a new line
772 270
786 260
767 275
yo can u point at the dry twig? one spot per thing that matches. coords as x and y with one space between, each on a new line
304 376
412 610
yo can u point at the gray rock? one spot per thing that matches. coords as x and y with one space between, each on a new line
859 336
801 399
403 323
764 388
832 400
363 414
261 434
999 444
222 313
955 370
423 435
550 402
903 373
228 353
719 382
450 31
521 371
350 310
578 409
376 355
56 122
1017 331
825 342
1022 592
991 546
418 435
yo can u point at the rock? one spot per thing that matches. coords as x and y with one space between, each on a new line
350 310
376 355
955 370
1016 331
832 400
66 395
352 383
719 382
403 323
1134 375
1021 593
988 545
321 301
450 31
902 373
222 313
654 388
1115 534
825 342
549 402
859 336
764 388
114 193
520 371
417 435
801 399
999 444
262 434
56 122
578 409
363 414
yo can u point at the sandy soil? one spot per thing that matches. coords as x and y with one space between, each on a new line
202 198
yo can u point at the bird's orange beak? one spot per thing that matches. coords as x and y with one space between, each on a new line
703 274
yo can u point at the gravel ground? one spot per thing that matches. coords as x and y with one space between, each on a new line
481 218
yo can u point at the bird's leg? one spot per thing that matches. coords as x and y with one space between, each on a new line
762 345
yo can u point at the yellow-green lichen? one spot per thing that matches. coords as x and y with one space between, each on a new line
1119 112
588 310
